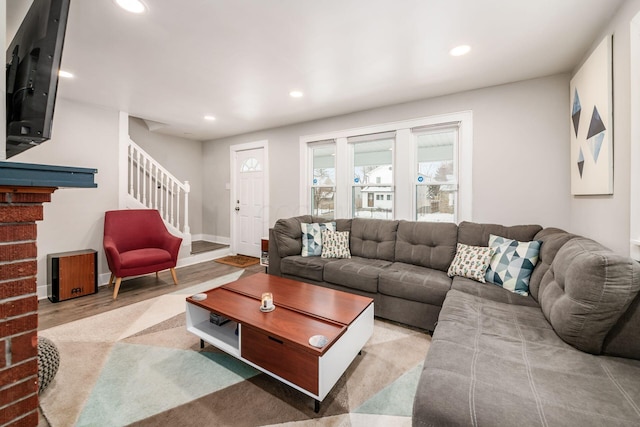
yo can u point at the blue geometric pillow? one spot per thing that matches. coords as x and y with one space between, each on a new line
512 263
312 237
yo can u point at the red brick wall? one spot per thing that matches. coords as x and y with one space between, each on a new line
20 208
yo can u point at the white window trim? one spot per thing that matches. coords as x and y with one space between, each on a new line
456 157
308 161
403 182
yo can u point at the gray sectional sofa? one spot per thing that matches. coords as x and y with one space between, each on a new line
567 354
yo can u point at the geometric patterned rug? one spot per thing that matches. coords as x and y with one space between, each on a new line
137 365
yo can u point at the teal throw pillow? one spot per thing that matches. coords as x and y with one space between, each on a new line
312 237
512 263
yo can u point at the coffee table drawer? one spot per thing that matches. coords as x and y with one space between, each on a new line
280 358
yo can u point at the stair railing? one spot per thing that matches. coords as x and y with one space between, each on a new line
156 188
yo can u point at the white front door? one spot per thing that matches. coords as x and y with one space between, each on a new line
249 201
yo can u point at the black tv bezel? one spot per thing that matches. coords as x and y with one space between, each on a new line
35 83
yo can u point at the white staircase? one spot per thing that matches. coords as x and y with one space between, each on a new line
145 184
151 186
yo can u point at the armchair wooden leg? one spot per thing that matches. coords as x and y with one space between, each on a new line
156 275
117 287
111 280
175 278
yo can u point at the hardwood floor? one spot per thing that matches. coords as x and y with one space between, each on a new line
199 246
132 291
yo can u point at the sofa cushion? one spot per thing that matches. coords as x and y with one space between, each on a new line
288 235
356 272
474 234
586 291
623 340
428 244
144 257
552 240
470 262
373 238
312 237
495 364
306 267
491 292
512 263
336 244
414 283
342 224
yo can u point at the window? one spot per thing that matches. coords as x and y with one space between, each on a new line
323 180
372 170
418 169
436 185
250 165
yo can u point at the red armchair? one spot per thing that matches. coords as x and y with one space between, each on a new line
137 242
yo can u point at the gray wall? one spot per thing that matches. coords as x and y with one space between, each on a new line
520 154
182 157
84 136
606 218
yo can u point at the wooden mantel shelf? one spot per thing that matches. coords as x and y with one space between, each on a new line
16 175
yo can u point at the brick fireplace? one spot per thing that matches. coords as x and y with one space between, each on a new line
20 208
24 188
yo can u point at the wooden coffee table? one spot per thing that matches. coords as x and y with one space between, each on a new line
277 343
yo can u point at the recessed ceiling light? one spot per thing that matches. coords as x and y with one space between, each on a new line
460 50
133 6
296 94
65 74
210 118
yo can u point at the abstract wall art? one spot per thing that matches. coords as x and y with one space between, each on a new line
592 124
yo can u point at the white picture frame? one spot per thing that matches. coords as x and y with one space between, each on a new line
591 125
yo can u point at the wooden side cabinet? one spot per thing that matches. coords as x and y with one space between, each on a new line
72 274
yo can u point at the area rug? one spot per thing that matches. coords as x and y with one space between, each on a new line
241 261
137 365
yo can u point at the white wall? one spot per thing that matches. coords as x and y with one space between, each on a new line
520 154
83 136
606 218
182 157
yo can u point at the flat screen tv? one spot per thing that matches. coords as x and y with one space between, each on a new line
33 62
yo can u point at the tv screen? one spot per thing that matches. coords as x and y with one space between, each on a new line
33 62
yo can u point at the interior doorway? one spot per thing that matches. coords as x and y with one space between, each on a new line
249 197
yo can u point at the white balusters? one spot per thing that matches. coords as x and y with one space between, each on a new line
171 208
138 175
187 189
155 188
144 180
130 149
157 185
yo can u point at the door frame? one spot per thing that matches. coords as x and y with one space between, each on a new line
233 149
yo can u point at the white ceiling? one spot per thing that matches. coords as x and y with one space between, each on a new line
239 59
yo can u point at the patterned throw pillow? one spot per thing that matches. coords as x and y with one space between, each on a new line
512 263
470 262
335 244
312 237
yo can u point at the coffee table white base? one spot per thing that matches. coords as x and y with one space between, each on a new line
331 366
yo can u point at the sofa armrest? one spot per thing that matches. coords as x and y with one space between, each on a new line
274 256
